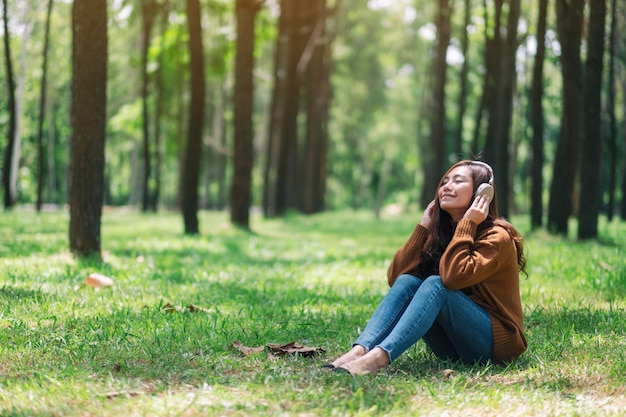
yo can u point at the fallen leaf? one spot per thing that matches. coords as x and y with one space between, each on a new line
294 348
97 280
245 350
449 373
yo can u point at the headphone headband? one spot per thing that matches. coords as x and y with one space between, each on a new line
486 165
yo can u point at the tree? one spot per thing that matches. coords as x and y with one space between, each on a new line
536 104
433 153
569 28
501 52
458 145
316 61
42 106
591 145
9 193
191 167
246 11
89 71
148 14
610 109
286 172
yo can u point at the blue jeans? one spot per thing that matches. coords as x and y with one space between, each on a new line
451 324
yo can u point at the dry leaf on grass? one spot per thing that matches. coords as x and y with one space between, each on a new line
97 280
293 348
449 373
279 349
245 350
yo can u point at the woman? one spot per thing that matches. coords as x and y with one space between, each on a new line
454 283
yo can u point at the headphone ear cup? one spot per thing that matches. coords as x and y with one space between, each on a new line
485 189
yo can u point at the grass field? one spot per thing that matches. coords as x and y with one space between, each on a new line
160 341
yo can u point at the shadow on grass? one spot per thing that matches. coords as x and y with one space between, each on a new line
10 295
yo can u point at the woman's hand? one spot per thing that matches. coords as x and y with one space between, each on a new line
427 217
479 210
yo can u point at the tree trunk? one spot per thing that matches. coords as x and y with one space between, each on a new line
286 175
42 106
458 146
433 154
569 28
610 109
536 198
243 102
314 59
191 167
148 11
591 144
158 111
9 197
89 72
500 108
272 149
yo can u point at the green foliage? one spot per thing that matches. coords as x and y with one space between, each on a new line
380 76
66 349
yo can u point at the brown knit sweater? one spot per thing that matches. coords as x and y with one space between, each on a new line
485 268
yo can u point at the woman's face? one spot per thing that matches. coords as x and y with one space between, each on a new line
455 192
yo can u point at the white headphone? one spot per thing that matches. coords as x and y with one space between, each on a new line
487 187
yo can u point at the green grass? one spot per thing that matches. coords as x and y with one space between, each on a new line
68 350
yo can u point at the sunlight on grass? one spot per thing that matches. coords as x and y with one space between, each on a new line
66 349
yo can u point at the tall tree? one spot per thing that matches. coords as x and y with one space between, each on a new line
315 63
9 195
502 77
272 149
42 106
246 11
536 104
433 152
286 174
148 14
458 146
191 167
160 106
89 80
569 28
591 145
610 109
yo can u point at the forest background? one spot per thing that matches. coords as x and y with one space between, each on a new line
311 105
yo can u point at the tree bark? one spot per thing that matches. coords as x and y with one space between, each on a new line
610 109
287 173
191 167
246 11
317 94
89 72
42 106
569 28
433 154
458 146
500 107
536 94
591 145
9 197
148 12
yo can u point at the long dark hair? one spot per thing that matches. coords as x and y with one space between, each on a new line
441 227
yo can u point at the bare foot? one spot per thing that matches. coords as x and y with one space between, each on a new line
356 352
374 361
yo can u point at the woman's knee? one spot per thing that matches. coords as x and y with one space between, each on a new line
433 282
408 282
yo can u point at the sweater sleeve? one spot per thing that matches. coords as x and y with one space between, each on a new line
469 260
407 257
